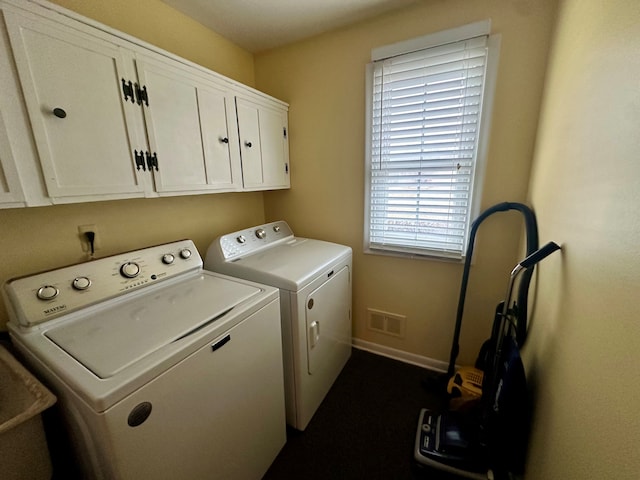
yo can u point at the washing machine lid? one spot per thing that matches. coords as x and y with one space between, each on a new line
111 339
290 265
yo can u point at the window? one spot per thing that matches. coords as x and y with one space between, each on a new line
428 111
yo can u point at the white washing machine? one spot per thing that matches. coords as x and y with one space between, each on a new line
162 370
314 278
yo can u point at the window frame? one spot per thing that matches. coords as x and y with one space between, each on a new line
465 32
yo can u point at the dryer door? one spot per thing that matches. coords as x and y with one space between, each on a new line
328 322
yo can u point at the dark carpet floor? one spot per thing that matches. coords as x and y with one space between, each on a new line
364 429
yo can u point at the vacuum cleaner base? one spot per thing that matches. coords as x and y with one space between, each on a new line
448 442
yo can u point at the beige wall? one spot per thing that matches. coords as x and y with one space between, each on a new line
323 79
159 24
35 239
584 350
582 356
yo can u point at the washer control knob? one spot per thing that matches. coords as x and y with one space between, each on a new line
168 259
185 253
276 228
260 233
130 270
47 292
81 283
241 239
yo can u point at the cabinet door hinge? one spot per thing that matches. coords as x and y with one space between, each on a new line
284 131
127 90
152 161
139 160
286 168
141 95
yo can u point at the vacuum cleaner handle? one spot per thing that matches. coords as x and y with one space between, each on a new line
505 322
524 265
531 229
539 255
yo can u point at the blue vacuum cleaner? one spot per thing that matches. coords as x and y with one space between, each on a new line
489 440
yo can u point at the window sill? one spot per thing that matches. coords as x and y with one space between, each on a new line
413 255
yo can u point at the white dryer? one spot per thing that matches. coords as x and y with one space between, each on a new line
314 278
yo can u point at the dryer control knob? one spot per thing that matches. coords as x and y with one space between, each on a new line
185 253
168 259
241 239
130 270
260 233
276 228
47 292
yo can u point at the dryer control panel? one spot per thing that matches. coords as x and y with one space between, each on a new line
244 242
38 298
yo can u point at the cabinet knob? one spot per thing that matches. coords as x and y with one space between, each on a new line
247 144
59 112
224 140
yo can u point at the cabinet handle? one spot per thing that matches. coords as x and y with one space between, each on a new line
59 112
224 140
247 144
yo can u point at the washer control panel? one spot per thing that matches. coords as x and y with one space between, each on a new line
37 298
250 240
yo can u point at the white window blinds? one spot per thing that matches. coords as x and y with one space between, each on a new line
425 115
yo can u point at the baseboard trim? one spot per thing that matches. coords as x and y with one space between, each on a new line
406 357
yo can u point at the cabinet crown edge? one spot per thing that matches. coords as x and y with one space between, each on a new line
64 15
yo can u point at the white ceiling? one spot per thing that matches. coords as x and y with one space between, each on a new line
258 25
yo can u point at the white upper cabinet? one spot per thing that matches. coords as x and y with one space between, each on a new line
72 89
113 118
11 194
18 158
10 188
264 145
188 129
219 137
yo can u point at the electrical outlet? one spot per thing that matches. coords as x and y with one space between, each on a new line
84 241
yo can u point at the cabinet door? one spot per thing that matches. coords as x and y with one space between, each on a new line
187 129
81 124
11 194
249 131
220 138
274 147
10 188
263 145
